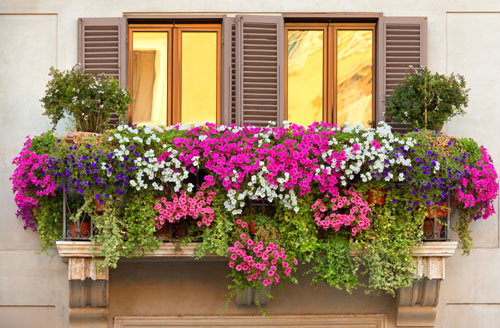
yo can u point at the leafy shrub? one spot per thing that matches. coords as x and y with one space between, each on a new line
87 98
443 97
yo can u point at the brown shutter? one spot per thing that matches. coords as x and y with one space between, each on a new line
102 48
259 77
229 70
402 42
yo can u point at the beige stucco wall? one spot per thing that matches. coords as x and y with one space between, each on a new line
200 288
34 34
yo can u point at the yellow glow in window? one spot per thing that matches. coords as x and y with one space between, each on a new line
354 77
305 76
149 77
199 77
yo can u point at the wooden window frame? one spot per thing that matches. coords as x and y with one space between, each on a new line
334 28
310 27
330 63
174 65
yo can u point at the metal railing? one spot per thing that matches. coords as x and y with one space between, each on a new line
437 226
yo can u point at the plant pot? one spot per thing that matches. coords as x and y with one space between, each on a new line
165 233
252 227
376 196
428 227
98 206
84 231
179 230
252 295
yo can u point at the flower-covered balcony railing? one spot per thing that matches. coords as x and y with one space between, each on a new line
268 198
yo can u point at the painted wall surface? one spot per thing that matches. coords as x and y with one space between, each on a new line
462 37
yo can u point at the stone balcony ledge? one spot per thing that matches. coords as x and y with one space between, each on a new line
416 305
429 257
67 249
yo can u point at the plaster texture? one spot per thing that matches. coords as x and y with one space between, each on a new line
35 34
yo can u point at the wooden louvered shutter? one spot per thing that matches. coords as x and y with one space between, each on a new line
229 113
102 48
259 76
402 42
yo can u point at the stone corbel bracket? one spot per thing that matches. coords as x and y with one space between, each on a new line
88 287
417 304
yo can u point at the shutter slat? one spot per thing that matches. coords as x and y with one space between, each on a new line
102 49
259 51
402 44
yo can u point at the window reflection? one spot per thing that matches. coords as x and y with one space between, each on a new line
199 77
149 77
305 76
354 77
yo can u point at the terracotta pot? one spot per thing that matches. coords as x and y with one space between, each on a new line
252 227
179 231
376 196
454 201
428 228
84 230
165 233
98 206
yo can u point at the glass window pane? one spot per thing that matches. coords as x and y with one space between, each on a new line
354 77
305 76
199 77
149 77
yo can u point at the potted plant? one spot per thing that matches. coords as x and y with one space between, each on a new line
427 100
432 224
376 196
88 99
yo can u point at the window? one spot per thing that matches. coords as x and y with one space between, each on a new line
330 73
331 80
174 73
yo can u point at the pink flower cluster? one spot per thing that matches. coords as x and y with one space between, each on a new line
348 209
183 206
480 188
30 180
293 153
259 261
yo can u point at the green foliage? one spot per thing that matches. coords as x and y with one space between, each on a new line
384 251
139 225
299 230
332 262
87 98
108 233
124 229
222 232
443 97
48 214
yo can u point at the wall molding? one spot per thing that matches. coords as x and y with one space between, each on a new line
334 321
